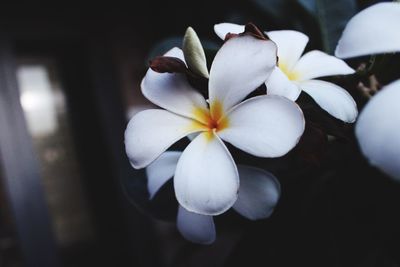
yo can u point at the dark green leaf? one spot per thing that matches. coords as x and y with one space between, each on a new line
309 5
332 17
276 8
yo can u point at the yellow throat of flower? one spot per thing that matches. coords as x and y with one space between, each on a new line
293 76
210 120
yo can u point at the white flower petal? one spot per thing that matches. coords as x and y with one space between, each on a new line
378 130
291 45
258 194
332 98
279 84
175 52
192 136
172 91
240 66
195 227
316 64
161 170
206 179
264 126
374 30
222 29
150 132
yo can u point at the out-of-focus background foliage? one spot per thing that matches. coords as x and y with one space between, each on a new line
70 80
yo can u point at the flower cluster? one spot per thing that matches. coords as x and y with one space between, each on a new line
207 182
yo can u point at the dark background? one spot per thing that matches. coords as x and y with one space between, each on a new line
335 210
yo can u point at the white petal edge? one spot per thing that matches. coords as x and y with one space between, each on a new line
195 227
374 30
241 65
206 179
161 170
172 91
258 194
279 84
291 45
316 64
332 98
264 126
222 29
378 130
150 132
192 136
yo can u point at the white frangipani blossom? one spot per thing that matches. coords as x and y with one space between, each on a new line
206 179
378 130
258 195
374 30
296 73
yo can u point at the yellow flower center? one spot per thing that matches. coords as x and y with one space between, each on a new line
210 120
293 76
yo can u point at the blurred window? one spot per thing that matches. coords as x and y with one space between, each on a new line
45 107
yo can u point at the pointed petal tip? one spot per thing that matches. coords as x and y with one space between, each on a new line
190 29
194 53
222 29
189 33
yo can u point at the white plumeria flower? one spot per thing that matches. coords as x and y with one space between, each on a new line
378 130
258 195
206 179
374 30
295 73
